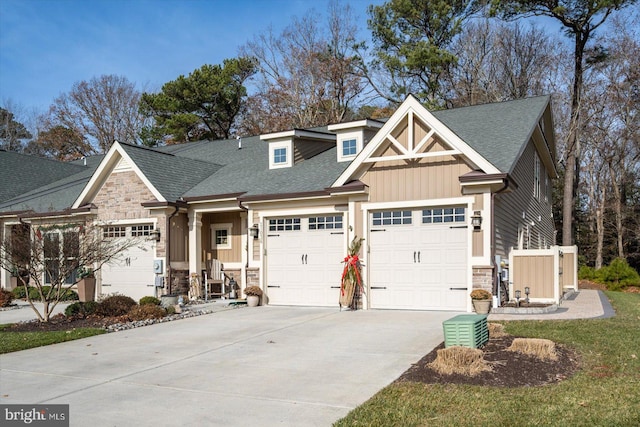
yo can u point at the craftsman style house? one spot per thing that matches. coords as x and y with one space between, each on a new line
436 196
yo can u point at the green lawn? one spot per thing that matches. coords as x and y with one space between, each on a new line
16 341
605 392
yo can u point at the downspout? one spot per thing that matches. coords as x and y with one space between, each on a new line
168 246
496 283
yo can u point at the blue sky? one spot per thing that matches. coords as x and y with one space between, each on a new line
48 45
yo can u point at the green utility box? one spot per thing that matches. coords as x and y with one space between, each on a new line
466 330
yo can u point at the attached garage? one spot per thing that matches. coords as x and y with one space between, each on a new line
304 255
133 274
418 258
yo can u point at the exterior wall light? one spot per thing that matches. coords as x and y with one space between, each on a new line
155 234
254 231
476 220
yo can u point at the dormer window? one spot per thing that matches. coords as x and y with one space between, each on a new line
349 147
280 156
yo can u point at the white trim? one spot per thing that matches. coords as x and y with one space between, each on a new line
107 166
298 133
366 123
348 136
411 156
287 145
419 203
412 105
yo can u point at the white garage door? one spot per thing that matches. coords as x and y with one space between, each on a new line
418 259
132 274
304 257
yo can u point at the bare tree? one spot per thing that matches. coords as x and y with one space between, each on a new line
307 73
498 61
51 255
103 110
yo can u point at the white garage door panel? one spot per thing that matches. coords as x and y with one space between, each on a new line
304 266
133 274
418 266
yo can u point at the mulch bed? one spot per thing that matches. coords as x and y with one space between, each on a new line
509 369
60 322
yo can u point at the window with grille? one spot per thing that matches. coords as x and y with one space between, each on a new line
325 222
392 218
111 232
443 215
284 224
141 230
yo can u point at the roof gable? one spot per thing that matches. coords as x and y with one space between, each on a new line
412 133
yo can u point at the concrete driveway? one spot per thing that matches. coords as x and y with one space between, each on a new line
248 366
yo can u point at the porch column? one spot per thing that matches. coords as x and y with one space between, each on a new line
195 242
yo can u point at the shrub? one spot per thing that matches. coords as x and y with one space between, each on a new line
81 309
5 298
149 300
147 311
480 294
618 275
253 290
20 292
66 294
115 305
586 273
171 310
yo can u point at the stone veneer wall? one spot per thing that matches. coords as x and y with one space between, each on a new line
121 198
483 278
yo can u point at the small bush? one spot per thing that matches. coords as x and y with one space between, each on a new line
147 311
460 360
149 300
618 275
541 348
115 305
20 292
66 294
170 310
586 273
5 298
82 309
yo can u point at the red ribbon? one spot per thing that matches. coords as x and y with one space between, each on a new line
350 261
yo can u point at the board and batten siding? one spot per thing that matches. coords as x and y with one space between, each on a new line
224 255
520 209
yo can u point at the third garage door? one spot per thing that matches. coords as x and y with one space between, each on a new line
418 259
304 257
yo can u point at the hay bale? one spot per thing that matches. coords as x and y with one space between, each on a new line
541 348
460 360
496 330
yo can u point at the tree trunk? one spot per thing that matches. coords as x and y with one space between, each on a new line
617 206
600 229
571 173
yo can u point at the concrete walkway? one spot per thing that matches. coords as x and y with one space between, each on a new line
261 366
585 304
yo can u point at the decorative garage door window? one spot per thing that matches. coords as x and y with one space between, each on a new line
391 218
111 232
325 223
442 215
284 224
141 230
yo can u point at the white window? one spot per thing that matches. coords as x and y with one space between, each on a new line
349 147
114 231
284 224
391 218
325 222
141 230
280 154
221 236
440 215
